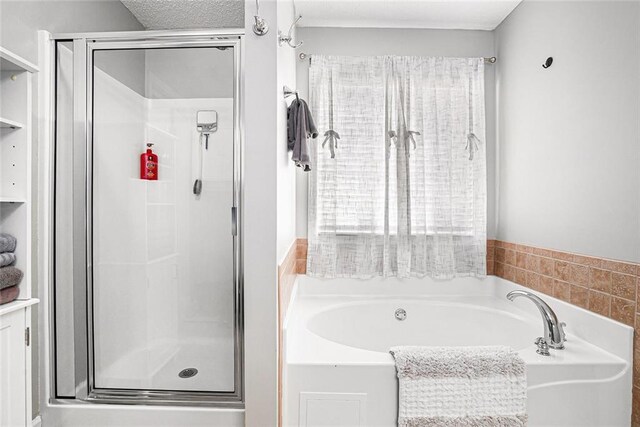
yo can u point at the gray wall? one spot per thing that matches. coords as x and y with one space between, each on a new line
171 73
20 20
189 73
19 23
569 136
367 41
126 66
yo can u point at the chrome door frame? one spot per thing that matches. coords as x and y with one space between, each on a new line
84 46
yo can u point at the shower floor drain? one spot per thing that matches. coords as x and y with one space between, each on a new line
188 373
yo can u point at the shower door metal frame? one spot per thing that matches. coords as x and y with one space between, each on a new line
84 47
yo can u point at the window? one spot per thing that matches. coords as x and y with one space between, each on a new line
400 155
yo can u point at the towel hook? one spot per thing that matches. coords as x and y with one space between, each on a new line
289 92
260 27
288 39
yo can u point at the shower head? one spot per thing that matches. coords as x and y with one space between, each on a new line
207 121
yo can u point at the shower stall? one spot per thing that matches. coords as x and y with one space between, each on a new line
145 272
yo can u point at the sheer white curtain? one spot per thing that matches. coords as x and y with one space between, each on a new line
398 180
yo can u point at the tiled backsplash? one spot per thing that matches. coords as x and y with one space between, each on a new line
604 286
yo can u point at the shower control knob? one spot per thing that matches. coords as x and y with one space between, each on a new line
401 314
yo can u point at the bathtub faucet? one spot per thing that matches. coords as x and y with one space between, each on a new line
553 330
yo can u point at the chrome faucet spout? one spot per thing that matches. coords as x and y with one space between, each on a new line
554 335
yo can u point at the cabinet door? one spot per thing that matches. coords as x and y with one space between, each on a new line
13 409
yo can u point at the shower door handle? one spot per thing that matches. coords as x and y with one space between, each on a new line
234 221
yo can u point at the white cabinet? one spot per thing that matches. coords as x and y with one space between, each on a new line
15 364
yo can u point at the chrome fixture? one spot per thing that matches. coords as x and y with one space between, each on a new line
401 314
260 27
543 347
554 336
188 373
289 92
206 124
288 39
487 59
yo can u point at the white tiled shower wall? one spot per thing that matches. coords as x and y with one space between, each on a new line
163 256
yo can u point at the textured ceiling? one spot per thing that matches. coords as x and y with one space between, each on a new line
185 14
450 14
446 14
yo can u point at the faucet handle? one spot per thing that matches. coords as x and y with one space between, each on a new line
543 347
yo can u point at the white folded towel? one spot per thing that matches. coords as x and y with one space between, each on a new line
460 386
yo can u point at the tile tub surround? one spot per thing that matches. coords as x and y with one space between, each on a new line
301 256
607 287
604 286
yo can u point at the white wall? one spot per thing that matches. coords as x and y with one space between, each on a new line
269 207
569 153
286 168
366 41
259 103
164 300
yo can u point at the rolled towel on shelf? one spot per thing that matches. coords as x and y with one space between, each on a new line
8 295
7 243
7 258
10 276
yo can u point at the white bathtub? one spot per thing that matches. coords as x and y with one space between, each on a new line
338 370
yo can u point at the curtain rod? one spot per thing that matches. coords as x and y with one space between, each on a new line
487 59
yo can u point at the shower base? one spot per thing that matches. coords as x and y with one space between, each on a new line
158 368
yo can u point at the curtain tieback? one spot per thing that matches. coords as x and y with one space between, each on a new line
332 137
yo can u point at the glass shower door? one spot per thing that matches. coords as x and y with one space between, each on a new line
160 167
162 252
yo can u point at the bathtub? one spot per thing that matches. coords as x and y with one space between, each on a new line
338 371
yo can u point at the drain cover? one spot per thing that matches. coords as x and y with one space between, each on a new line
188 373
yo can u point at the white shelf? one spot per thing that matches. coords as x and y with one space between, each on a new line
6 123
11 200
11 62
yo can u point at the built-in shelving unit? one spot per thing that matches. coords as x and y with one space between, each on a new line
16 80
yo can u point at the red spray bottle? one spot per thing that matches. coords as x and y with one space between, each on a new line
149 164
